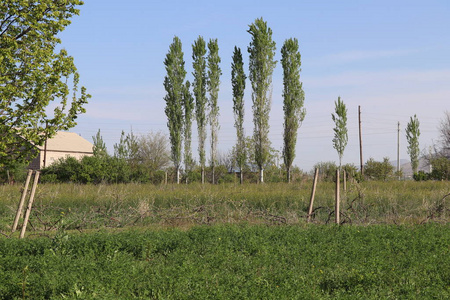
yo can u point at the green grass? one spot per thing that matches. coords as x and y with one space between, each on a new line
232 262
86 207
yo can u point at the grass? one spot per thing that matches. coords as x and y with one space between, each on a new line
86 207
232 262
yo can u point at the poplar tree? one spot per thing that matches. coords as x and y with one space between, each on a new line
199 86
412 136
340 131
213 81
261 66
174 85
188 104
38 80
238 78
293 96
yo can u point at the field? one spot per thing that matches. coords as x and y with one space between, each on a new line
228 242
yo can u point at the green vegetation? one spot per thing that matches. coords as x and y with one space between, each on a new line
85 207
232 262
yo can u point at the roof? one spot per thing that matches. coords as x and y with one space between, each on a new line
68 142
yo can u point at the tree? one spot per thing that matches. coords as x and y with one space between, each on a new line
188 104
199 64
99 148
379 170
340 131
238 78
154 151
412 136
34 77
261 66
213 83
294 97
444 130
174 85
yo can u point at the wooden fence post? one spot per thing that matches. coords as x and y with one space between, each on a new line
22 200
313 193
30 204
336 209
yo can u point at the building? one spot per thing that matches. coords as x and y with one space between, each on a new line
62 145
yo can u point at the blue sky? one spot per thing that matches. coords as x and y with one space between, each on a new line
390 57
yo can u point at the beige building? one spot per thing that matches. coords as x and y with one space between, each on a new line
62 145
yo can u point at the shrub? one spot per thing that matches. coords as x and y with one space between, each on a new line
377 170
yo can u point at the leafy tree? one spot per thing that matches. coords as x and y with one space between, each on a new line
99 147
340 131
34 76
294 97
238 78
379 170
444 130
174 85
213 83
261 66
412 136
199 64
327 170
188 104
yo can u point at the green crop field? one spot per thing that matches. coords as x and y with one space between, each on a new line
228 242
232 262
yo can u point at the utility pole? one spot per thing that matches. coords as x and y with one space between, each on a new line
398 150
360 141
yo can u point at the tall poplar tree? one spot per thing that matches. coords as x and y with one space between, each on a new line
261 66
188 105
199 65
340 131
213 81
238 78
412 136
174 85
294 98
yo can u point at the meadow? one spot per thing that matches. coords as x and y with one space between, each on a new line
84 207
228 241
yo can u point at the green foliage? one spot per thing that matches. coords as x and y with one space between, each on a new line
213 84
238 78
34 77
174 85
231 262
200 80
327 170
441 170
261 66
412 136
188 104
294 98
340 131
377 170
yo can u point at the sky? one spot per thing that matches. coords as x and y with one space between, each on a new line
391 58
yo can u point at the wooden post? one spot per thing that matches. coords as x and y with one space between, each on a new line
336 209
360 142
345 180
22 200
165 178
313 193
30 204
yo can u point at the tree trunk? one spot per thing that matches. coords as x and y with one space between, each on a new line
212 175
261 175
288 174
178 175
203 175
241 177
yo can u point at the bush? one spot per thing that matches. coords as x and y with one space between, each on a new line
377 170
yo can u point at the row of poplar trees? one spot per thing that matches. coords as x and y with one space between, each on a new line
182 104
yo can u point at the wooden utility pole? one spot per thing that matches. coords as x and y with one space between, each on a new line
398 150
360 141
